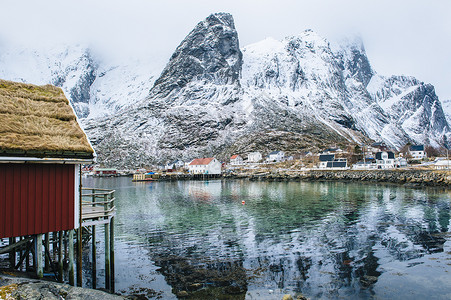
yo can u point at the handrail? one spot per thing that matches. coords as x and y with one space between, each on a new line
98 194
98 205
99 202
108 190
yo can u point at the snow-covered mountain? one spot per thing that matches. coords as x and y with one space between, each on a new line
446 104
95 87
213 98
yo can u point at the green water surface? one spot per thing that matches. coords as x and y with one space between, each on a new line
239 239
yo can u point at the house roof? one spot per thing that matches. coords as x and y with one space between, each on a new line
202 161
234 156
326 157
274 152
417 148
391 155
38 121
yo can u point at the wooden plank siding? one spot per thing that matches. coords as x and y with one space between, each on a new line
36 198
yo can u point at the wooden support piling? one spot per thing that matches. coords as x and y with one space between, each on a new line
79 257
112 254
94 262
55 245
80 229
47 259
60 257
107 258
71 257
39 258
12 253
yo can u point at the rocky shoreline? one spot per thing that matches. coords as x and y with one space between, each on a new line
405 177
26 288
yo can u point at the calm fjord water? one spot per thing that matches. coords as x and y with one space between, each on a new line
326 240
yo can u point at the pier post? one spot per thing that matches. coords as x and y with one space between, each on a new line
71 258
79 232
60 257
94 252
47 262
79 257
55 245
38 254
107 258
112 253
12 253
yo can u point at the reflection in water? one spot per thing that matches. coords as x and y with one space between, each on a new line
324 240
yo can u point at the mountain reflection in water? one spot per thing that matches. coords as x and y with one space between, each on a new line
325 240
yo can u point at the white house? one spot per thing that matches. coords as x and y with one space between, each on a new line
254 157
333 151
364 165
417 151
328 161
276 156
442 164
401 162
236 160
385 160
324 158
210 166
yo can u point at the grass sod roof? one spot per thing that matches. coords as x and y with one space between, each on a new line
38 121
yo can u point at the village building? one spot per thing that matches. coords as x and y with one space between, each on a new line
324 159
417 152
42 150
400 162
254 157
328 161
236 160
385 160
442 163
365 165
106 172
276 156
332 151
205 166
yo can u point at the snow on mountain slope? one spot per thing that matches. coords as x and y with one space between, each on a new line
335 85
94 87
446 105
193 109
413 106
301 75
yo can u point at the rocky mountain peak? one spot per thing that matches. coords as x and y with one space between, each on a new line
355 61
210 54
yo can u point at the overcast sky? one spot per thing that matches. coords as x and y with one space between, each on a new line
410 37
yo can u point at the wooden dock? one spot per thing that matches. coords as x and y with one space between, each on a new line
98 209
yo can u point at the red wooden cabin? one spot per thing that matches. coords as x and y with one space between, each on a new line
42 148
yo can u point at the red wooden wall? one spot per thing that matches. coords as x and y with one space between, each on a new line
36 198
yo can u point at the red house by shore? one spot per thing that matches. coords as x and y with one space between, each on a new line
42 148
